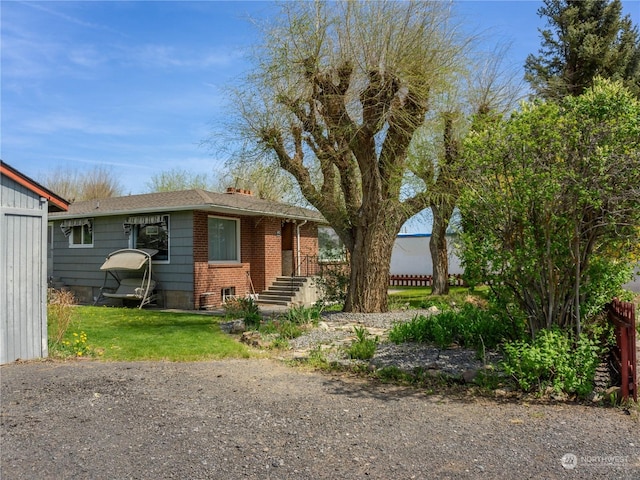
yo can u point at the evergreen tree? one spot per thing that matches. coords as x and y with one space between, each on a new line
585 39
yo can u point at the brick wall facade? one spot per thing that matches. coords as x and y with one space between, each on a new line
210 279
260 257
263 251
308 246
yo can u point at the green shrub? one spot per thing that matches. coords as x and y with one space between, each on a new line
605 278
245 308
364 346
289 330
333 281
301 315
252 320
283 328
412 331
552 360
240 307
279 343
470 326
293 322
317 359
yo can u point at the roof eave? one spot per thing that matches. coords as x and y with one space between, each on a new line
259 213
113 213
56 200
208 207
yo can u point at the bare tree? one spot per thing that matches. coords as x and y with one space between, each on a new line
178 179
338 95
79 185
266 181
100 182
489 89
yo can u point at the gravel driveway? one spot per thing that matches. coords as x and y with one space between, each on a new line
260 419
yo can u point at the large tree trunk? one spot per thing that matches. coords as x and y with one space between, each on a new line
370 263
438 247
442 209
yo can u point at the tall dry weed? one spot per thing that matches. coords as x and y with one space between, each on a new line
60 313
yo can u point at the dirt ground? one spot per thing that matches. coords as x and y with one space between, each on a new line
261 419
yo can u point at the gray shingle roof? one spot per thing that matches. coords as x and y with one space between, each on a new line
232 203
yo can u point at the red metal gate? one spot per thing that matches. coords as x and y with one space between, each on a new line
422 280
622 315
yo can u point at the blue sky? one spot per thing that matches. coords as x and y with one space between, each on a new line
137 86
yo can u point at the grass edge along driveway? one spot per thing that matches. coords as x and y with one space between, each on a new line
123 334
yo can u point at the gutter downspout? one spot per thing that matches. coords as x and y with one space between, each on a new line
298 226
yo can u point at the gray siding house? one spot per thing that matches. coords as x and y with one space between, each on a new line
209 244
24 206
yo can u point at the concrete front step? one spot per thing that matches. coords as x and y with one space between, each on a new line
276 295
288 284
282 291
263 301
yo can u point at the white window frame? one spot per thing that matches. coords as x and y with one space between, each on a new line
82 244
238 242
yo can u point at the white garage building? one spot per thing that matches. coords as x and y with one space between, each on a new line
411 255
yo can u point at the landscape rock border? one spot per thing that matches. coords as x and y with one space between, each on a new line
336 331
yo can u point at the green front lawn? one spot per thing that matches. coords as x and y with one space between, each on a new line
131 334
420 297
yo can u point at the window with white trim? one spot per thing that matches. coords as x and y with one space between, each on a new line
149 232
224 240
79 231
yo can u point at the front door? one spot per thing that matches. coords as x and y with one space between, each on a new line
287 249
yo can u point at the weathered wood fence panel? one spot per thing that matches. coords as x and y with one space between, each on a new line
310 266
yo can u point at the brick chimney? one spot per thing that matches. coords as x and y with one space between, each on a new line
239 191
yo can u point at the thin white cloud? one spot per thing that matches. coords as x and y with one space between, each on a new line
29 55
87 56
166 56
68 162
41 54
25 56
59 122
74 20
